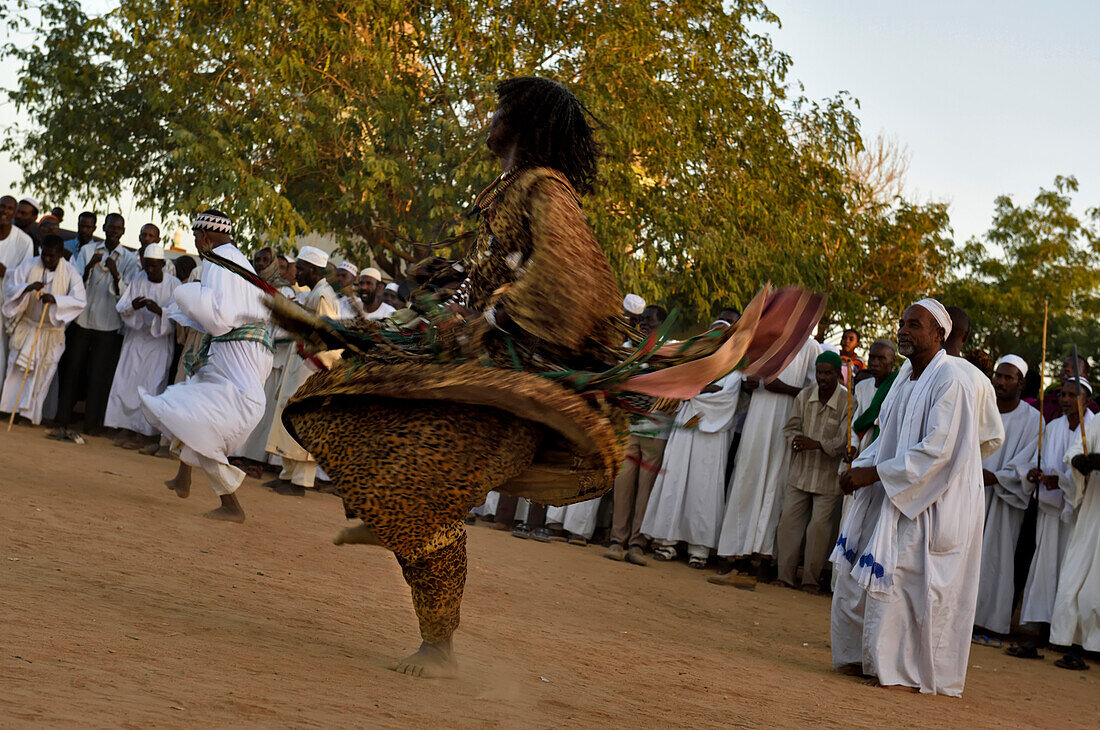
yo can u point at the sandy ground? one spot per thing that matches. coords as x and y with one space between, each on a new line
120 607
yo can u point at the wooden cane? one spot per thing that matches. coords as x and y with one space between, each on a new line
1042 395
848 443
30 360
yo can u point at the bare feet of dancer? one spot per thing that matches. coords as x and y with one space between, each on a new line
230 511
181 483
431 660
358 535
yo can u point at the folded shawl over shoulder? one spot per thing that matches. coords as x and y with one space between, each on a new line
559 361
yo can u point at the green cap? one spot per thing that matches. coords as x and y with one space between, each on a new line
829 358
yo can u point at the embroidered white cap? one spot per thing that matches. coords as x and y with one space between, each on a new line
154 252
313 255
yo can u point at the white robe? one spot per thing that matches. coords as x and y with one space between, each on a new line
1005 504
16 249
146 355
689 496
763 458
1077 605
910 549
255 447
22 312
991 432
212 412
576 519
1054 524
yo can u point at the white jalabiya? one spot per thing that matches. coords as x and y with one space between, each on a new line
22 311
255 446
146 353
16 249
576 519
488 508
689 496
991 432
1005 504
209 415
910 549
1077 605
763 458
862 395
1055 522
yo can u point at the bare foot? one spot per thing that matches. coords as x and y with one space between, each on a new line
431 660
851 670
743 582
230 511
357 535
181 483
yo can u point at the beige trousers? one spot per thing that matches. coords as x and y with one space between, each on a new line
632 488
810 516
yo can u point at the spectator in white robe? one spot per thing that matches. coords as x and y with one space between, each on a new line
299 470
760 474
1007 493
909 551
577 520
1056 495
689 496
46 285
254 448
209 415
15 248
1076 621
370 296
147 348
346 287
991 432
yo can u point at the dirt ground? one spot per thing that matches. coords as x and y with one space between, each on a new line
120 607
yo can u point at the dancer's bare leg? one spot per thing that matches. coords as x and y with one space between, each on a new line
181 483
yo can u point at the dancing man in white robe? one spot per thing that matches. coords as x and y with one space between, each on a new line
1056 494
1076 621
16 247
1007 493
760 473
47 282
910 548
209 415
689 496
147 347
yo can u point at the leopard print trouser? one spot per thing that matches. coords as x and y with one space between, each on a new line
412 471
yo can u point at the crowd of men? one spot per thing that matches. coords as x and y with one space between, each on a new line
762 480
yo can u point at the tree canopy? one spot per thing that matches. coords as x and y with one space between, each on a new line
368 119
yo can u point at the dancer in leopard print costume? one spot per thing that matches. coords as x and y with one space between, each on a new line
416 429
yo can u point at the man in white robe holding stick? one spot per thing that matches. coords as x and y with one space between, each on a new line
910 548
209 415
1007 493
41 296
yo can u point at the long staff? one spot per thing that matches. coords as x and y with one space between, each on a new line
1042 394
1080 412
848 443
30 361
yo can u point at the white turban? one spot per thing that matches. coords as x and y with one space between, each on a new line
154 252
350 268
373 273
938 312
633 304
313 255
1014 360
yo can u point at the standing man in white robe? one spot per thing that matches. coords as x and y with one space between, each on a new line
47 282
1007 493
1076 621
209 415
578 520
991 433
147 347
299 470
370 296
346 288
760 474
15 248
689 496
910 548
1056 497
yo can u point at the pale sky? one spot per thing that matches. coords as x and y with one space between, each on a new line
988 97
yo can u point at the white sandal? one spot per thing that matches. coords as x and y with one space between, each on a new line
664 553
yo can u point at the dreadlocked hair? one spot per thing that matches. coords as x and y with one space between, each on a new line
550 128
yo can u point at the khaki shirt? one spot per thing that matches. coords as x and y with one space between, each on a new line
816 471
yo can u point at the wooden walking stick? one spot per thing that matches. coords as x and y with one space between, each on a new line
1080 413
848 443
30 360
1042 395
